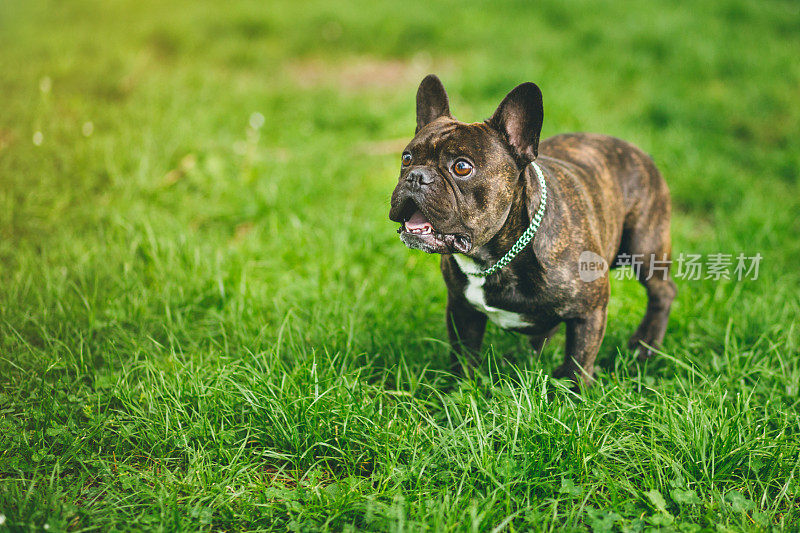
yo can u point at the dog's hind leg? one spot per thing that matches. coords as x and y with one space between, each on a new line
649 245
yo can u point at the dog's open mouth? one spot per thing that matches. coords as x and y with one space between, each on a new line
417 232
418 224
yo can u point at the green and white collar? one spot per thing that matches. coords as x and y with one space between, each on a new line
527 235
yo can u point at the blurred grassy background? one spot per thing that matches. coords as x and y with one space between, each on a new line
190 190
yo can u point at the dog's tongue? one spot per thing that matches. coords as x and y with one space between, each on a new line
418 222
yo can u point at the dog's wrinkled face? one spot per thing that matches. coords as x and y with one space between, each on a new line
457 180
454 178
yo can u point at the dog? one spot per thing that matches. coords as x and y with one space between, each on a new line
515 220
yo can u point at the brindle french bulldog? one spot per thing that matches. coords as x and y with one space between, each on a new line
469 191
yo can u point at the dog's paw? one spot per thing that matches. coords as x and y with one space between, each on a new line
575 374
641 347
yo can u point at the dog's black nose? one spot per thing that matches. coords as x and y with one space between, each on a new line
419 177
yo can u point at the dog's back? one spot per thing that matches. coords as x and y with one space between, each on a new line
618 182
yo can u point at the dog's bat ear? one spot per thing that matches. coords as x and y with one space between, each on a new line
519 119
431 101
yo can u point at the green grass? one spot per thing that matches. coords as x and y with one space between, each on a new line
206 325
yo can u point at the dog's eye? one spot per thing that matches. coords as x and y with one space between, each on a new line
406 159
462 167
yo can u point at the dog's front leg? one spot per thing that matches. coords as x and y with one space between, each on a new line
584 336
465 327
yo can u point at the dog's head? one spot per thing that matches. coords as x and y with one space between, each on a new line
457 180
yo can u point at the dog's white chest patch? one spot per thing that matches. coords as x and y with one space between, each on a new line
475 295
